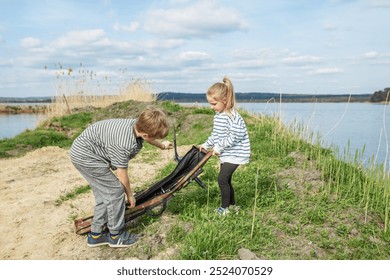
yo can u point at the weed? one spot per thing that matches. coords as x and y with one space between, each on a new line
73 194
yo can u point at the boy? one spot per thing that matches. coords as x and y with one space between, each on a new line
109 145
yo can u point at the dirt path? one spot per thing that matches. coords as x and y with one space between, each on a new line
39 228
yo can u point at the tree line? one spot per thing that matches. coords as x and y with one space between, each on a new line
381 95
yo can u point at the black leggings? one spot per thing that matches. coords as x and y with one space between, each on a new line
225 184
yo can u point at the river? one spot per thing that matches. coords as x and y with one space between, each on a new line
346 126
11 125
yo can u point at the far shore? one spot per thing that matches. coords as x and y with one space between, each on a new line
24 108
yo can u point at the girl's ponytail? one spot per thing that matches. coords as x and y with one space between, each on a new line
230 97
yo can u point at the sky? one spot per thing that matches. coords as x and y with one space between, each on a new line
303 46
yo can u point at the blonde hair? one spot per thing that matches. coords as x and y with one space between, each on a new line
154 122
222 90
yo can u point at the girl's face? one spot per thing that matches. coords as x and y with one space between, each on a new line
217 105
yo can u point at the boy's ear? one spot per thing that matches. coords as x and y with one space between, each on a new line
144 135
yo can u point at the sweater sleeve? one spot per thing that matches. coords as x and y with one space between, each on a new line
211 139
209 142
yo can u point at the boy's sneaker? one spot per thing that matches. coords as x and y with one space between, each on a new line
103 239
122 240
222 211
235 208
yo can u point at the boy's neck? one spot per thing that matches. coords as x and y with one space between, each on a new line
137 133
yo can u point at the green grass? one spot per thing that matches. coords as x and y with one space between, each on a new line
298 200
73 194
29 140
56 132
344 217
76 121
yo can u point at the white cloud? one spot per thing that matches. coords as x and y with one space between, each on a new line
376 58
94 47
191 55
193 58
374 54
379 3
249 64
371 55
202 19
132 27
162 44
30 42
301 60
81 38
6 62
94 41
326 71
250 54
329 26
246 58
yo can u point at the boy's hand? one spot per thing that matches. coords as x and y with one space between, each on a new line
167 145
131 200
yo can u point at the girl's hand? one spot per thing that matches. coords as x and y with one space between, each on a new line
215 153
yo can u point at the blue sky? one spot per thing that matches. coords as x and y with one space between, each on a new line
300 46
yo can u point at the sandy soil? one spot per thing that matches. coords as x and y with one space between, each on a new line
30 217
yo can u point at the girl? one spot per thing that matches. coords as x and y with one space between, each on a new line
229 140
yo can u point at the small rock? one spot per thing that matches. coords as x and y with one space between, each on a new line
245 254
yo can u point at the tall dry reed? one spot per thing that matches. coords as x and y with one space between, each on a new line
86 88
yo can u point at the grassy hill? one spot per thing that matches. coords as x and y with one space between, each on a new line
298 201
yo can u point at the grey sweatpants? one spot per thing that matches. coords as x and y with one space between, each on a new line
109 198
